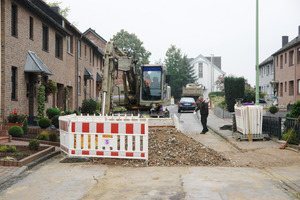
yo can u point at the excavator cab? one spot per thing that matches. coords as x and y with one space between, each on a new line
151 83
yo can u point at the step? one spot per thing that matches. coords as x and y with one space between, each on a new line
5 139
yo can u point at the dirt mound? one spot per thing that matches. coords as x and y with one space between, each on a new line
170 147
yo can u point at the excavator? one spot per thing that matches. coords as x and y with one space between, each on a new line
143 91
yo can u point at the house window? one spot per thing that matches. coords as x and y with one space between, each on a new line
291 58
291 88
90 55
79 84
85 51
285 58
298 86
93 59
79 48
281 89
70 44
45 38
58 46
200 73
14 20
298 55
30 28
277 61
285 87
281 61
14 79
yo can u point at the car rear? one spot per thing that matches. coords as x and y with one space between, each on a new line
186 103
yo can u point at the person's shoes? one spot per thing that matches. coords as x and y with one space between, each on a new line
202 133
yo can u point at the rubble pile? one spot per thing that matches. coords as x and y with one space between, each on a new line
170 147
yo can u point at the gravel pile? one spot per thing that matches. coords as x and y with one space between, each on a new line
170 147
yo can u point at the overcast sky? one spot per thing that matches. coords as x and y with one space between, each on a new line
223 28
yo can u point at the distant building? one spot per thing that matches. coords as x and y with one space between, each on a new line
287 70
207 72
266 77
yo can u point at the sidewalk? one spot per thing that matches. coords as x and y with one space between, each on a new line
8 173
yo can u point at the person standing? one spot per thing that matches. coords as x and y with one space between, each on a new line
203 107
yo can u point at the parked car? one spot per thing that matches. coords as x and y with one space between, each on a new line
186 103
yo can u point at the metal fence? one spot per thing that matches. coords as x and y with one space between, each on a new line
221 112
290 123
272 126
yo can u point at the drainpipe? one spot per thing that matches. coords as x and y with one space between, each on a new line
78 86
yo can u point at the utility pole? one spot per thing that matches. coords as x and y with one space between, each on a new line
257 58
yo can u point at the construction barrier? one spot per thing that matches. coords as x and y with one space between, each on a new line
104 136
249 119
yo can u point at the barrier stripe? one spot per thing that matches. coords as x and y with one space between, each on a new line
114 153
85 153
129 128
143 129
85 127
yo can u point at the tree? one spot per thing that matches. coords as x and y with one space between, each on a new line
173 63
220 82
63 11
188 71
133 45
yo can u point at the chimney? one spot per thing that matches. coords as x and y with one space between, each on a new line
299 30
285 40
56 9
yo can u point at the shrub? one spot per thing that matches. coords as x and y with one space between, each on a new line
53 137
234 88
220 102
43 136
15 131
3 148
12 149
295 112
41 102
68 112
50 87
55 121
34 144
16 117
44 123
293 138
76 112
216 94
89 106
273 109
51 112
25 127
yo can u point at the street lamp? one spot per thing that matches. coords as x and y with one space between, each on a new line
212 72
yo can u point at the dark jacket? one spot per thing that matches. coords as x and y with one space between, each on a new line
203 107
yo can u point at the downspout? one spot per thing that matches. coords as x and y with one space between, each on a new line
78 86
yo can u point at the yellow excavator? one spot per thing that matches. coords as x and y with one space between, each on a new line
144 89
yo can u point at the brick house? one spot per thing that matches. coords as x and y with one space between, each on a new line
287 70
38 44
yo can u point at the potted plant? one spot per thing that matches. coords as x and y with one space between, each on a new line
16 119
50 87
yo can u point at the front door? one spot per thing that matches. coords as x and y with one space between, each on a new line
31 89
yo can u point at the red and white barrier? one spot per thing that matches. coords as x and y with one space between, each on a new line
104 136
207 100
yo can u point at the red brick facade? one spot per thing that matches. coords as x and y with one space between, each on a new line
14 53
287 72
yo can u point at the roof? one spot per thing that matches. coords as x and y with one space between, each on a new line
268 60
95 33
35 65
291 44
87 74
195 60
99 78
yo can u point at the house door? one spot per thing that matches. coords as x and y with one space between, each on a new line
31 89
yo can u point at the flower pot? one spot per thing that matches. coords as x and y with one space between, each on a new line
14 124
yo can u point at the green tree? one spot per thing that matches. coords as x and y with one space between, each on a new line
129 42
188 71
173 62
63 11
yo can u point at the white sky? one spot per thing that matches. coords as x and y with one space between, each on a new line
223 28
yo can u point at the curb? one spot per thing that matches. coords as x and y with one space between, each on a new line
29 166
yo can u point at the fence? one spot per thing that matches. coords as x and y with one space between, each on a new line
290 123
104 136
221 112
272 126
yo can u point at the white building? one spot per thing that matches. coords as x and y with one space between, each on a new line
266 77
207 73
